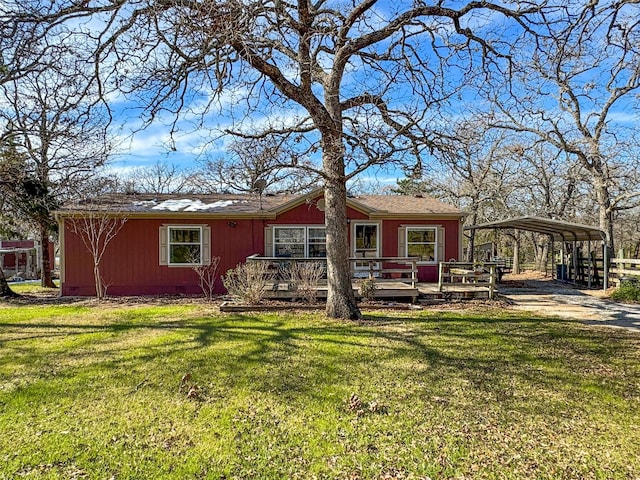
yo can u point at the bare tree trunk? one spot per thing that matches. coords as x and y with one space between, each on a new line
5 289
45 275
605 213
542 251
99 284
341 301
516 253
471 246
472 233
539 252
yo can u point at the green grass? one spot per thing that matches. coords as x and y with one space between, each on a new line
93 391
30 288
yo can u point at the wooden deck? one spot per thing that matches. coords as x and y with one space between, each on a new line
394 290
457 280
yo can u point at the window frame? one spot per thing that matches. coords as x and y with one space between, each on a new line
354 237
199 228
433 228
305 228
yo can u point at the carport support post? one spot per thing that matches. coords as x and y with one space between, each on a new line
605 259
575 261
564 268
29 265
590 261
553 258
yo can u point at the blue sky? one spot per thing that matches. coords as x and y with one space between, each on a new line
155 144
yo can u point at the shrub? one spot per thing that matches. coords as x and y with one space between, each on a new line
303 277
628 291
367 288
248 281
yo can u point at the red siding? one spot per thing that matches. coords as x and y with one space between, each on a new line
308 214
18 243
131 263
426 273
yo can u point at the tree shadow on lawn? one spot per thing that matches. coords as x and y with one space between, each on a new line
282 355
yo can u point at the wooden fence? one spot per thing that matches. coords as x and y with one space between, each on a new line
622 268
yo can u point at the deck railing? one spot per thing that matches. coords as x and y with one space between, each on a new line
457 274
383 269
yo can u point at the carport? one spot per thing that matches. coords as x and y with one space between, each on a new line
559 231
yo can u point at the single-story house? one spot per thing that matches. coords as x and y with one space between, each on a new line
153 252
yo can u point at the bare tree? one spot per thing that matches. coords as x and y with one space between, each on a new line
49 116
161 178
22 50
207 275
575 92
477 173
9 159
628 233
96 229
551 184
257 166
354 83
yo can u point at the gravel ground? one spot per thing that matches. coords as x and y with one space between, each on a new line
534 292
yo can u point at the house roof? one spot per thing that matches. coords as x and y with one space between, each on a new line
407 204
175 203
223 204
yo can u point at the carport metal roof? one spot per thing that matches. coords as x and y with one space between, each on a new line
558 229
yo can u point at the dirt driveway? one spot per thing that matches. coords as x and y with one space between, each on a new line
556 298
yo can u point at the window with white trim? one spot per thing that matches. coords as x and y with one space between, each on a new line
316 242
185 245
299 241
422 243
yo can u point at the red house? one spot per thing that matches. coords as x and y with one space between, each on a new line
153 252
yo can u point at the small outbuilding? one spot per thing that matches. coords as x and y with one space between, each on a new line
21 258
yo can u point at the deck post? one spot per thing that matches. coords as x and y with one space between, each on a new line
440 274
492 281
414 273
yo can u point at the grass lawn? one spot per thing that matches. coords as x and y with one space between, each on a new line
97 391
31 287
